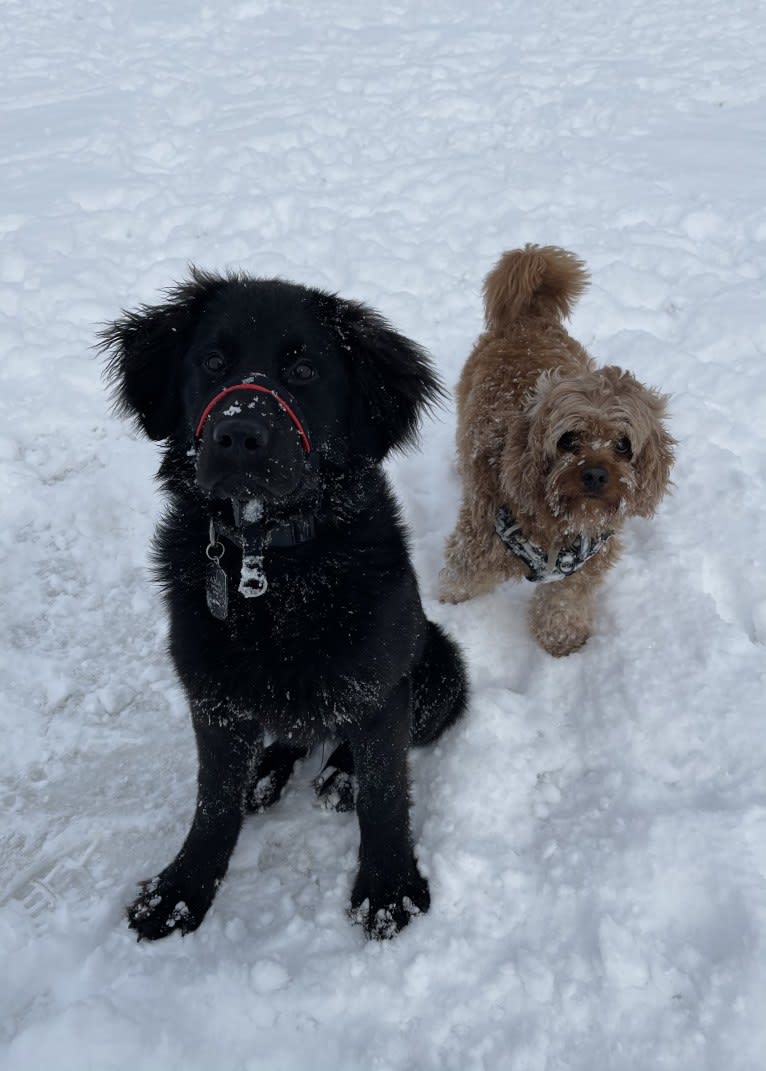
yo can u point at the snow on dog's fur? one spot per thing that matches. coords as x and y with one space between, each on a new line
568 449
337 645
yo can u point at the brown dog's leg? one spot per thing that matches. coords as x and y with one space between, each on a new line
473 564
561 614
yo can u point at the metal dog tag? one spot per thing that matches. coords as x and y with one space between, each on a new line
217 590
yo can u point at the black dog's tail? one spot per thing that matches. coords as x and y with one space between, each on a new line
439 687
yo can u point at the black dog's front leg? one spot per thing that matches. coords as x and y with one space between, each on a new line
179 897
388 889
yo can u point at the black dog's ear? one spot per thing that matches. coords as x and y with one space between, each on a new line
145 349
393 381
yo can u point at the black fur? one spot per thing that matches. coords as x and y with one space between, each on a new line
338 646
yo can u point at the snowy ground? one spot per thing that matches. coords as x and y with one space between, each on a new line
595 831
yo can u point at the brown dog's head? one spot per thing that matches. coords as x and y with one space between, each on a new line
590 450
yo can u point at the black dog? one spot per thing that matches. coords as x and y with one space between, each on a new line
293 605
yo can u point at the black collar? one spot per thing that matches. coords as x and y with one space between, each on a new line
252 538
299 529
558 563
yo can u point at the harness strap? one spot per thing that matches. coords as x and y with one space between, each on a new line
557 564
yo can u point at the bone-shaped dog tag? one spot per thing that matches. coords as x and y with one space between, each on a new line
253 582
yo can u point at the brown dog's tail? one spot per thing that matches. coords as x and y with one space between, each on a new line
538 279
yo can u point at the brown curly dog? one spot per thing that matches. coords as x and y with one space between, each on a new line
554 453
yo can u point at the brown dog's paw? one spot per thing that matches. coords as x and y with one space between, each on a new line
558 622
561 645
449 598
450 590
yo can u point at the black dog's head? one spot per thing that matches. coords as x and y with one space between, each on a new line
261 383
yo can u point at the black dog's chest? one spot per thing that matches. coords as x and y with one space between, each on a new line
290 616
294 603
315 651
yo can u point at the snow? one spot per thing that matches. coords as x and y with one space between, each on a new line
253 510
594 832
252 581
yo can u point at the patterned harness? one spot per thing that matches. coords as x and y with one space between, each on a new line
556 565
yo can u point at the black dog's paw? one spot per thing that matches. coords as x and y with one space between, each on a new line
164 906
271 775
335 789
264 792
384 909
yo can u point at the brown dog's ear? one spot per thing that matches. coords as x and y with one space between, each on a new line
645 411
654 462
393 381
522 471
144 351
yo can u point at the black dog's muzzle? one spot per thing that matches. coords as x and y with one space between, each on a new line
259 384
246 446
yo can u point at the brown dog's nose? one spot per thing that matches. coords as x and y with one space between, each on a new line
595 479
236 437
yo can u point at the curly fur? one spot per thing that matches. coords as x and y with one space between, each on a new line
534 415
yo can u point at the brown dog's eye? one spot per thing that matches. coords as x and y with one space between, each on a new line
302 372
568 441
622 446
215 362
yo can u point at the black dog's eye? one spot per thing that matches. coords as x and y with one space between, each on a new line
622 446
215 362
568 441
302 372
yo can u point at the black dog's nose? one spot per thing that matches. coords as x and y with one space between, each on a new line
236 436
595 479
